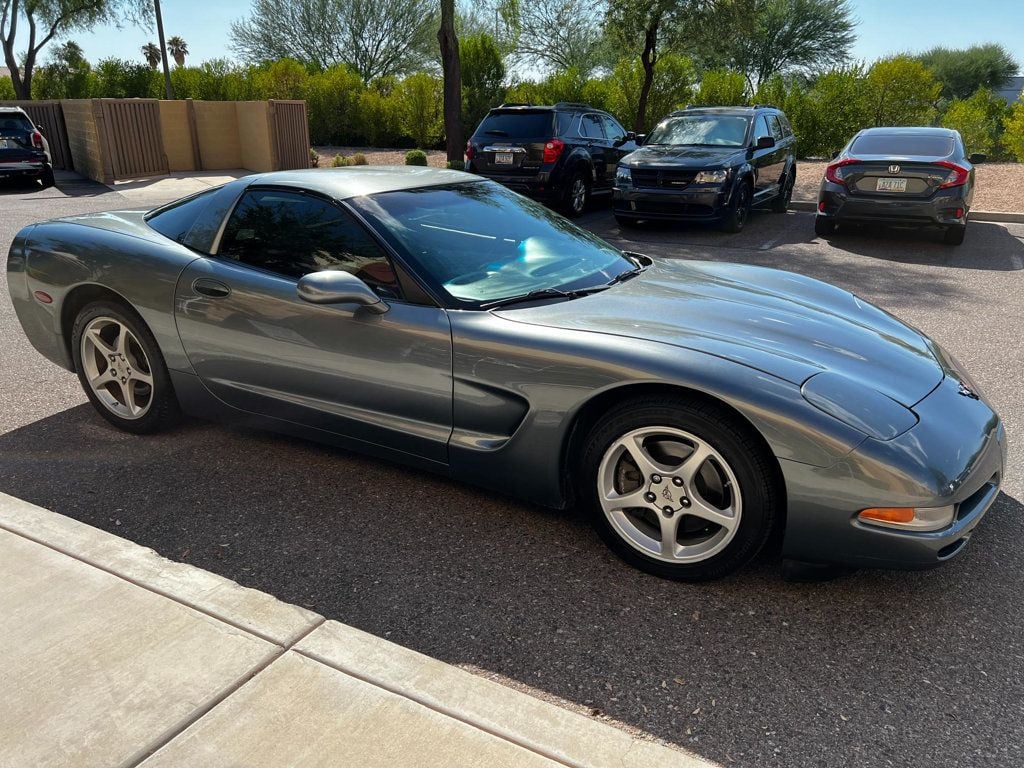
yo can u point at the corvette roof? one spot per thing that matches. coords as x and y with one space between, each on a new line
356 181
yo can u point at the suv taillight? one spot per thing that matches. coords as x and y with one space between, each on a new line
37 139
553 150
469 149
834 173
957 176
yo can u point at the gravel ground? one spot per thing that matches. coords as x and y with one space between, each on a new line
378 155
1000 186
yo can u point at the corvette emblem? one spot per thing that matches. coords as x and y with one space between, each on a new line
666 493
966 391
894 168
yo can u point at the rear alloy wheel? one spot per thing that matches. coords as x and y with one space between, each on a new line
121 369
781 202
824 227
954 235
577 195
738 213
679 490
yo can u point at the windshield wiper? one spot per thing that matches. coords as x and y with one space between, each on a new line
544 293
624 276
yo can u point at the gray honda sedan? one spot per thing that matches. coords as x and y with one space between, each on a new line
442 321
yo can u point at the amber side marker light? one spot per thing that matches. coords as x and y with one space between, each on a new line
888 514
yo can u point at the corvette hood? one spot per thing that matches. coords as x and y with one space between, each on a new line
790 326
669 156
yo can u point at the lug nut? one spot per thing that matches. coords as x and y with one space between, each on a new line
650 497
655 479
677 481
667 511
684 502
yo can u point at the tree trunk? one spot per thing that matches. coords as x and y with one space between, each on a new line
648 58
452 71
21 77
163 50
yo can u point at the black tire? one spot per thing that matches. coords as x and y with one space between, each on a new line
780 204
47 179
163 410
573 204
627 222
824 227
955 234
739 210
751 464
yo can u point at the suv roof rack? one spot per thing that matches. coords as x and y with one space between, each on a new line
764 106
514 104
573 105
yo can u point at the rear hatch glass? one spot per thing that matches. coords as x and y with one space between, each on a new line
906 145
513 142
16 137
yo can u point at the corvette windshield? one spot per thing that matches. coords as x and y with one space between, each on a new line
479 242
701 131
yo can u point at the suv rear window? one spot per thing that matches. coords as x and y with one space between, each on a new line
903 144
15 121
518 124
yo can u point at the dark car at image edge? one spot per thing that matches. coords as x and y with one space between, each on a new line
23 150
917 177
561 154
709 164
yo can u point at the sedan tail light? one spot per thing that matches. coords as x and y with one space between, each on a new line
957 175
834 171
37 139
553 150
469 149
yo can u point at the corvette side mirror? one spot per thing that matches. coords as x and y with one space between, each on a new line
333 286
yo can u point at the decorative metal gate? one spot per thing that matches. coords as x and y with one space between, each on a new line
132 137
291 134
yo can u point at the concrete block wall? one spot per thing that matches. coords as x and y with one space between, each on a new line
255 136
80 118
176 128
217 126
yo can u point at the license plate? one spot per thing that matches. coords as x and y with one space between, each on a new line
503 158
3 144
891 185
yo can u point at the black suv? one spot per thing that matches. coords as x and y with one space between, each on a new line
24 153
710 164
561 154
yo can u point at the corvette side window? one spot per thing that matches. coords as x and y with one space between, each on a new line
294 234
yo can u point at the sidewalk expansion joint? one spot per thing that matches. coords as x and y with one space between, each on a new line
205 709
149 588
423 701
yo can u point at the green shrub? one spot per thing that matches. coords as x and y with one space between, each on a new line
1013 127
340 161
7 89
979 120
722 87
455 165
416 157
379 118
314 158
357 159
332 100
419 100
672 88
900 91
839 107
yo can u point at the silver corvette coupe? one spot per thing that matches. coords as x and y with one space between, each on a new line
694 410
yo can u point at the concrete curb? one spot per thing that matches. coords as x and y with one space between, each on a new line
234 676
1004 217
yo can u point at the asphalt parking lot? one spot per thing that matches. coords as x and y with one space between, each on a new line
871 669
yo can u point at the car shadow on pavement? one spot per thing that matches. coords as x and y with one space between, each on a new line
68 185
904 668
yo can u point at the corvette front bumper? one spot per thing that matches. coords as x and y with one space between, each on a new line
956 454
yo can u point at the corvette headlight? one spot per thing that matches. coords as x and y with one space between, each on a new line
623 177
858 406
711 177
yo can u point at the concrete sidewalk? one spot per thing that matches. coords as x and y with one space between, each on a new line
114 656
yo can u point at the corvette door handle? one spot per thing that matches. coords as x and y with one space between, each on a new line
212 288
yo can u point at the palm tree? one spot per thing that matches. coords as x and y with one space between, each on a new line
152 54
178 49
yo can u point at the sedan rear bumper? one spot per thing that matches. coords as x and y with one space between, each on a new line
836 203
956 455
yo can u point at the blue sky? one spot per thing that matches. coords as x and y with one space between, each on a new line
886 26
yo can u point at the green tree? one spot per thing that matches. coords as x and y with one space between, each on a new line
901 91
373 38
646 28
722 87
1013 127
559 34
671 89
483 76
962 71
7 90
332 99
120 79
842 106
283 79
151 53
178 48
979 120
66 75
761 38
47 20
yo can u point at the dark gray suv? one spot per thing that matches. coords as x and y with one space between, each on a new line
709 164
